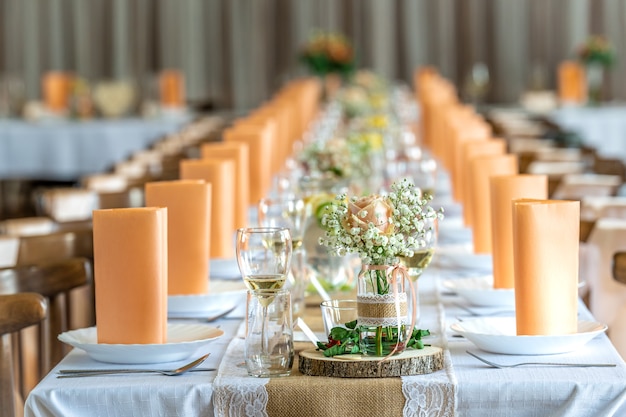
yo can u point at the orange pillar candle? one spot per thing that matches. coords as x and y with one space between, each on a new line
471 150
259 139
482 168
572 85
545 246
473 129
188 204
55 89
172 88
130 267
239 153
220 173
505 189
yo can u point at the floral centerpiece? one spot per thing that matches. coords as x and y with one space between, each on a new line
597 54
327 53
380 228
597 50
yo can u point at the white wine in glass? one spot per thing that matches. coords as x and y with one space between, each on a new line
264 259
423 254
417 263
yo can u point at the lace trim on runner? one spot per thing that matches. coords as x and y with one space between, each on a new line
234 392
435 395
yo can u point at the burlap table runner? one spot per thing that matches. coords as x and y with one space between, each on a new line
301 395
297 395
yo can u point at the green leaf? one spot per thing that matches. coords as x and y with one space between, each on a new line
334 350
351 324
339 333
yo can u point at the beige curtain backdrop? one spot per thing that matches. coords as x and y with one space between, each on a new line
235 53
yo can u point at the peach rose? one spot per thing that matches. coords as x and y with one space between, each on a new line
371 209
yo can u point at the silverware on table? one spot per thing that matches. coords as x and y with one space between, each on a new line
514 365
73 373
209 319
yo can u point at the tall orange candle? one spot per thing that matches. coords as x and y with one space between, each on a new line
260 139
172 88
189 213
482 168
470 130
130 267
471 150
220 173
505 189
239 153
55 89
545 245
572 85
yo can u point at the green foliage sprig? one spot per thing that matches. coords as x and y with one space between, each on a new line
343 341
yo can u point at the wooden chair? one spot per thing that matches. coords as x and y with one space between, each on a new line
54 281
63 244
619 267
586 226
17 311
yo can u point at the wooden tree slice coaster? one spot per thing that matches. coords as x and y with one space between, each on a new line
410 362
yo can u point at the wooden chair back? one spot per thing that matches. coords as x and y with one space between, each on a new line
619 267
54 281
58 245
17 311
586 226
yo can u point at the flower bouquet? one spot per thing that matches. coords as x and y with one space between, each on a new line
597 50
597 54
328 53
380 228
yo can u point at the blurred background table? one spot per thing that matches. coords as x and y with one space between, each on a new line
601 127
64 150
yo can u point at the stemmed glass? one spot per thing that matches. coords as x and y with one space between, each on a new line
422 257
289 212
264 258
423 252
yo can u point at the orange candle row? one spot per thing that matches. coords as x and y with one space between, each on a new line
533 241
143 254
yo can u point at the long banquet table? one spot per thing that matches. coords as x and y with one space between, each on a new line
465 387
65 150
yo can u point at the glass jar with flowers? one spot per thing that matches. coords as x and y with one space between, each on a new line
380 228
597 54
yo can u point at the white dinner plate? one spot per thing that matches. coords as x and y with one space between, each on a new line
183 340
225 268
459 260
203 305
479 291
498 335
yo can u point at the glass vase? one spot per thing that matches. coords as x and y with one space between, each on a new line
595 81
384 321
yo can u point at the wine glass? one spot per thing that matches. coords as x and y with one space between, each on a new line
422 257
284 211
264 258
289 212
423 251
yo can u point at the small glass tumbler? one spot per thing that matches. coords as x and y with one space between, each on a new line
336 313
269 333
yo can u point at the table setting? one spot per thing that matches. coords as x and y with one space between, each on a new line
462 328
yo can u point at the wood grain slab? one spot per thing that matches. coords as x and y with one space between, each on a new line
409 362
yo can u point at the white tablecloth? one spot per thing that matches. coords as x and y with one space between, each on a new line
601 127
479 390
66 150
